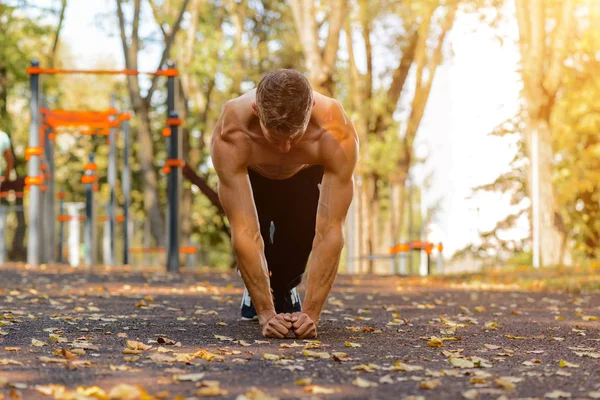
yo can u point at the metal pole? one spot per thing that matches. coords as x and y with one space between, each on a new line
173 180
112 178
173 202
33 169
61 227
49 198
126 182
535 197
90 247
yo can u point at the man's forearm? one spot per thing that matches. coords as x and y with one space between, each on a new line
322 269
253 267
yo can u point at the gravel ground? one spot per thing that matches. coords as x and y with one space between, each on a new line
112 333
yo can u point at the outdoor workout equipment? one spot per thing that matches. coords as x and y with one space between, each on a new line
8 189
35 154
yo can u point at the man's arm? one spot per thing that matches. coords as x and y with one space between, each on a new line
235 193
336 194
10 163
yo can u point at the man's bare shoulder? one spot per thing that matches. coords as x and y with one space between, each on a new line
230 143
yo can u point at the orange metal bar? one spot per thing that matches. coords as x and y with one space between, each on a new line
166 132
183 250
56 71
4 195
87 179
34 180
33 151
174 121
90 167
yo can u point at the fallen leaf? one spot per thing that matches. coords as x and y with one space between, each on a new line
134 345
165 340
430 384
125 391
363 383
8 361
594 395
315 354
211 389
350 344
290 345
566 364
435 342
461 362
271 357
491 325
399 366
244 343
471 394
188 377
161 357
558 394
507 382
12 349
224 338
515 337
366 367
38 343
314 389
303 382
479 309
386 379
589 318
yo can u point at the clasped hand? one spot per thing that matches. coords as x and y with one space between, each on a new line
279 325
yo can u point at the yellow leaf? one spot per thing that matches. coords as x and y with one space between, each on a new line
225 338
160 357
57 338
491 346
303 382
515 337
244 343
594 395
398 366
386 379
430 384
12 349
350 344
363 383
435 342
125 391
38 343
211 391
557 394
314 389
480 309
470 394
491 325
559 318
589 318
507 382
461 362
8 361
315 354
339 355
271 357
566 364
134 345
366 367
189 377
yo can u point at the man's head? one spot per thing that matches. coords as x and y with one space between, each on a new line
284 101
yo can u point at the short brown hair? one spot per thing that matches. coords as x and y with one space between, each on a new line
284 99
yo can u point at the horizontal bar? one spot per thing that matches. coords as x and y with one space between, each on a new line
57 71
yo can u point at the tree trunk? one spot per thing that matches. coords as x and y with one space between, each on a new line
551 238
149 178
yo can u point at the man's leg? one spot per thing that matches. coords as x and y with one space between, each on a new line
294 229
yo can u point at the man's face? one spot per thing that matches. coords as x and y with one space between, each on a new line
283 143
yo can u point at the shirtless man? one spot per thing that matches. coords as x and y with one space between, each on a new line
285 157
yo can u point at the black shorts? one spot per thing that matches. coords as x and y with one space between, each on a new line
287 212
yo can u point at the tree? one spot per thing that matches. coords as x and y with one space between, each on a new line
142 106
545 29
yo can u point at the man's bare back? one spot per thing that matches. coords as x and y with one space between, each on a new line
328 126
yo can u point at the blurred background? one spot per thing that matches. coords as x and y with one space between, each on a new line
449 98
